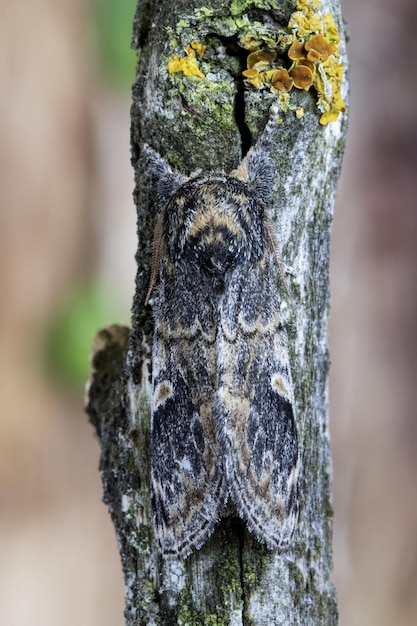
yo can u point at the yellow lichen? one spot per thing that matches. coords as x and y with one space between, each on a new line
329 116
249 43
331 30
283 97
198 47
188 65
319 36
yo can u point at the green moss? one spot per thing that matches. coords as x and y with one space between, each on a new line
225 575
215 100
203 12
145 408
239 6
182 25
147 596
255 562
296 575
187 614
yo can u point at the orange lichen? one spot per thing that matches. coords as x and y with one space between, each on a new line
313 59
253 77
267 76
296 50
314 56
281 80
319 36
319 45
261 59
261 72
302 76
308 64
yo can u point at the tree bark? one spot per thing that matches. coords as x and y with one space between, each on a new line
209 123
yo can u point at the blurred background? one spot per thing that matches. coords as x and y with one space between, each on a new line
67 245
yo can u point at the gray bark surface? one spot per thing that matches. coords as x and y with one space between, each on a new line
233 579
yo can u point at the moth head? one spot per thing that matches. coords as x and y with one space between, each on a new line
255 169
199 219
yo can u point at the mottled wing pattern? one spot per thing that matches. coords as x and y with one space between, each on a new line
187 476
254 412
222 412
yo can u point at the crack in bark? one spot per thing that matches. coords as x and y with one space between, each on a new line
233 49
242 578
245 134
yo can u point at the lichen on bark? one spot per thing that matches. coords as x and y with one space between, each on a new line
207 123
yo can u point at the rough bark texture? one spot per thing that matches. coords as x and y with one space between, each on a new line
208 124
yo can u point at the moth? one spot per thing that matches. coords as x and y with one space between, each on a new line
223 426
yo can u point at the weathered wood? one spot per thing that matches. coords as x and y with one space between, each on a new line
208 123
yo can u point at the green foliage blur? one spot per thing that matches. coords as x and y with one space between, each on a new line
112 22
70 335
86 308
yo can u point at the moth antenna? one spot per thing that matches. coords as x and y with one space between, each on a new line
157 247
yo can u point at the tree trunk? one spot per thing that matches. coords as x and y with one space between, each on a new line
208 122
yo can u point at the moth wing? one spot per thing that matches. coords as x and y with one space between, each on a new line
188 481
255 414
